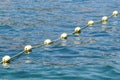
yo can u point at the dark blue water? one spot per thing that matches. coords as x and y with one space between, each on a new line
94 55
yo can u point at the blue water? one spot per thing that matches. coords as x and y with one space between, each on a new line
93 55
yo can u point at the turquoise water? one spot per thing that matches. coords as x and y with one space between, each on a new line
93 55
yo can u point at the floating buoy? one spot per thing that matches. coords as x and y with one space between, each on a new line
28 49
77 30
90 23
115 13
104 19
47 42
6 59
63 36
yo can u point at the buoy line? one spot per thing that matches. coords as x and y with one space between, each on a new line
63 36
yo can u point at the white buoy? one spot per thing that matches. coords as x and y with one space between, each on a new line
63 36
6 59
47 42
27 48
77 30
115 13
104 19
90 23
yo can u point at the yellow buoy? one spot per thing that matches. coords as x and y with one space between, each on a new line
104 19
77 30
28 48
47 42
115 13
6 59
90 23
63 36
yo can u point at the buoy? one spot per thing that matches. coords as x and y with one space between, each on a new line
104 19
6 59
47 42
115 13
90 23
77 30
28 49
63 36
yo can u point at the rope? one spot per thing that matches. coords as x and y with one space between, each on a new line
18 54
64 36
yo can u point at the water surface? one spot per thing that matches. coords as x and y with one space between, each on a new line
93 55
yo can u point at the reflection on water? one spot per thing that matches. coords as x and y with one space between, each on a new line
94 54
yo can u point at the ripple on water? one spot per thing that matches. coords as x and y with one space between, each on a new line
92 55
